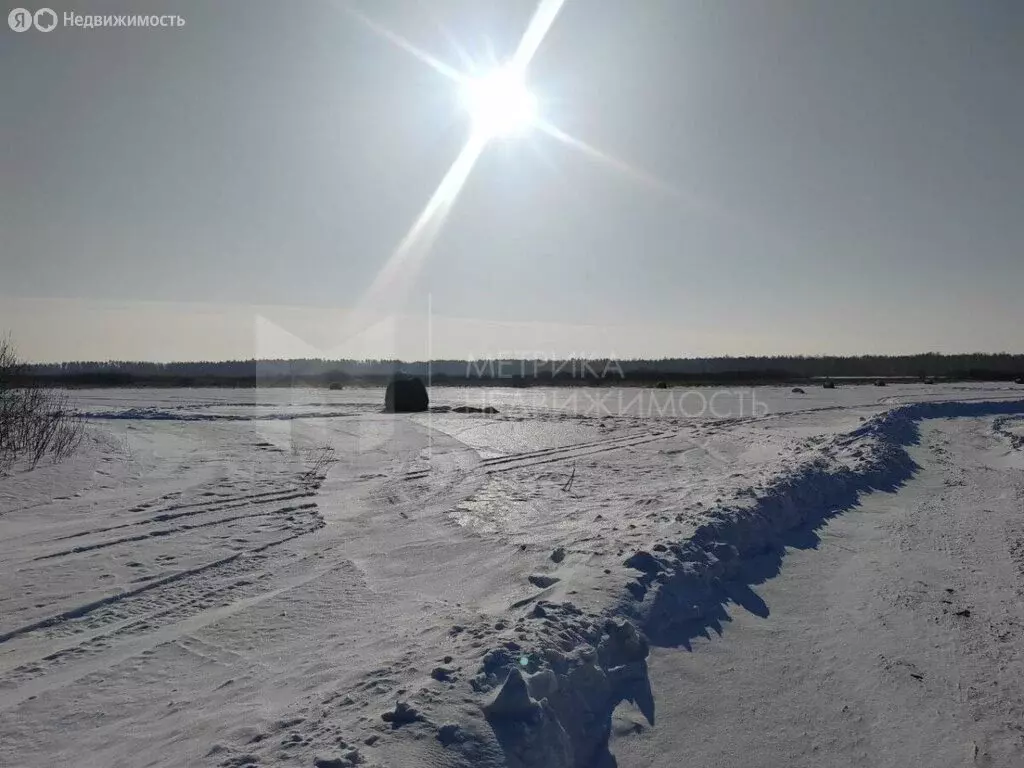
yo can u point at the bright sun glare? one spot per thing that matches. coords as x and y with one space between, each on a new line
499 104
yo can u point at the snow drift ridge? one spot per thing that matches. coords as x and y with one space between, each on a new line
563 710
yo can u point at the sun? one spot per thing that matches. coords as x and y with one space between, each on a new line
499 104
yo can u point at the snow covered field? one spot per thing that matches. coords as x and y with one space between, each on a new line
255 577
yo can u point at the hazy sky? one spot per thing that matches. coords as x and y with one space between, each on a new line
810 176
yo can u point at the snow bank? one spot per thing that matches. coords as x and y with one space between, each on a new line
1011 428
558 714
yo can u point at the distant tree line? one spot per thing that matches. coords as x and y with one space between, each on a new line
518 372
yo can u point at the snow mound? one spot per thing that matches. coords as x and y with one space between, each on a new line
1012 429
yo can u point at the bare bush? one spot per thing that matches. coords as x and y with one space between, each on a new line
35 421
318 461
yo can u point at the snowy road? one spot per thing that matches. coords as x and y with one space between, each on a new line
896 639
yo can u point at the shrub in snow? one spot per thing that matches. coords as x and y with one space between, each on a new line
35 421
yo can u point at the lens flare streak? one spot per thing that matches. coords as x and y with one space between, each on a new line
431 61
612 162
396 276
400 269
536 31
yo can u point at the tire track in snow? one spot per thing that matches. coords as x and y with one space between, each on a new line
87 608
170 531
68 663
128 621
548 455
522 464
215 586
212 506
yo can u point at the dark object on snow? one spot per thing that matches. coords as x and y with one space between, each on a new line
542 580
450 733
661 385
335 385
558 555
474 409
829 385
406 396
568 483
403 714
643 561
441 674
798 391
929 381
331 762
1019 380
879 383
